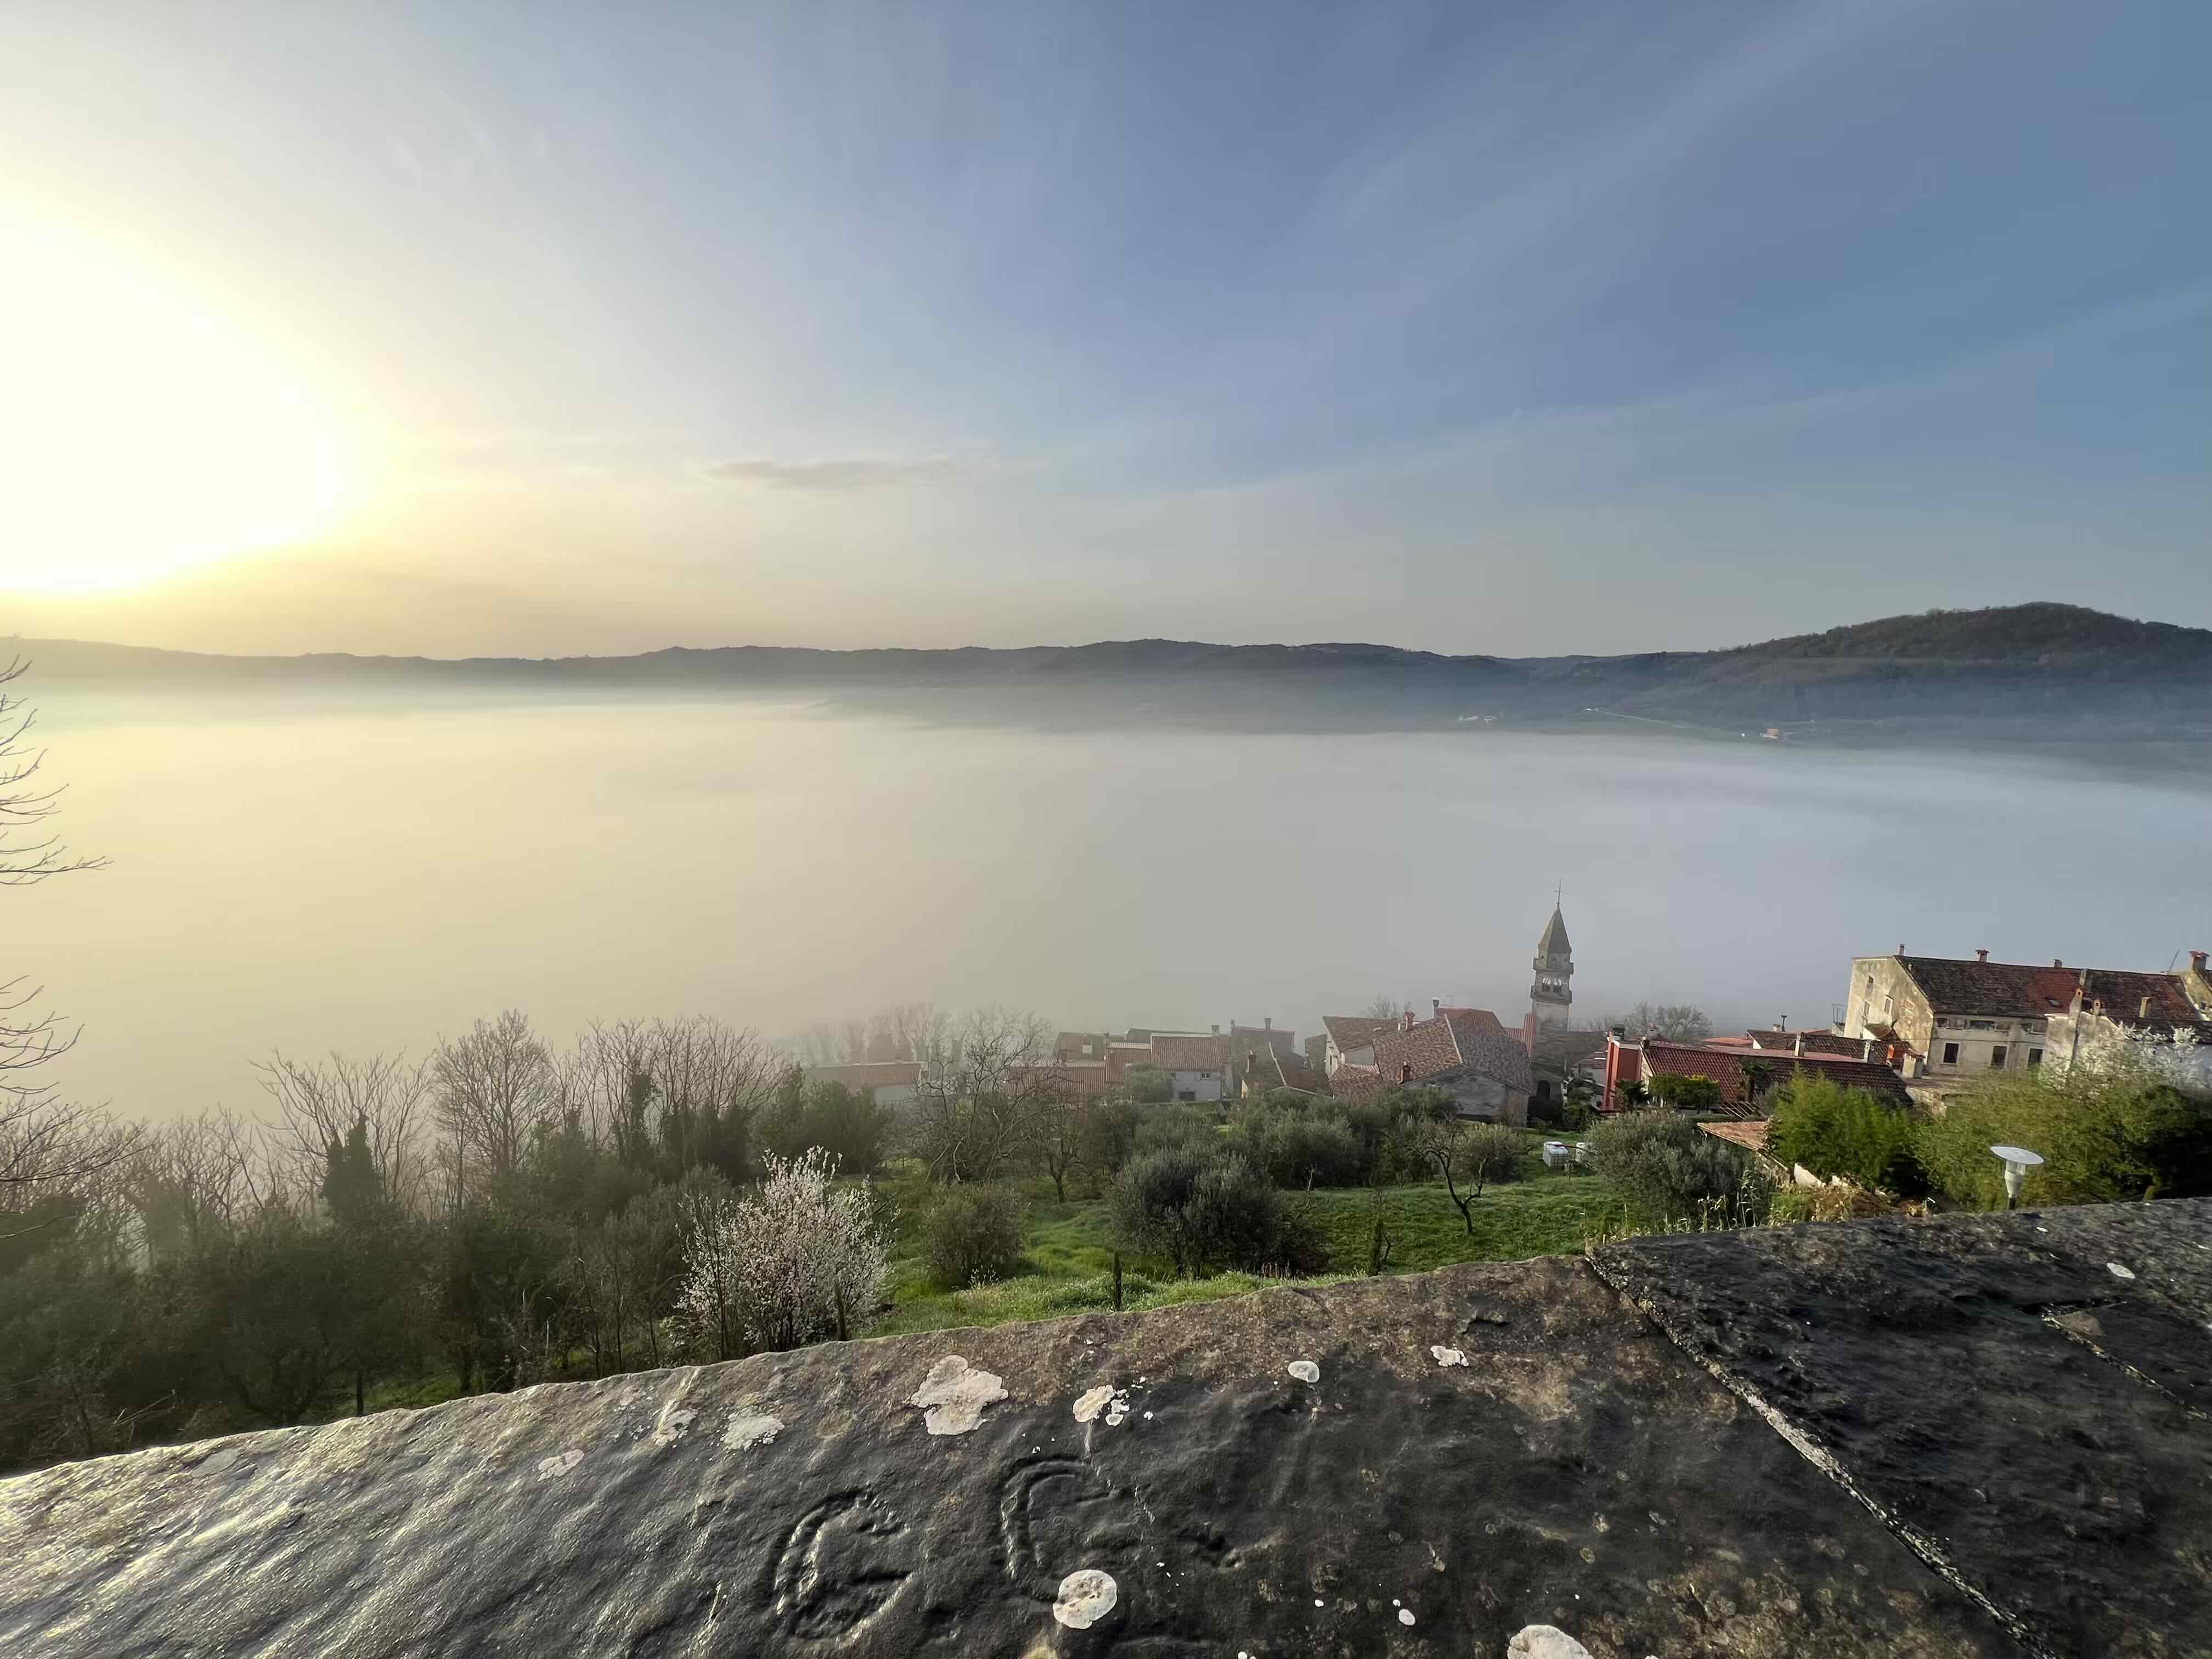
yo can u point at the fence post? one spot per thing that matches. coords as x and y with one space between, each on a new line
1117 1281
841 1312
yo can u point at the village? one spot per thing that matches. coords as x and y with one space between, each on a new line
1911 1030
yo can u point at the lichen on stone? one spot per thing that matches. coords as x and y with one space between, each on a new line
1085 1597
954 1394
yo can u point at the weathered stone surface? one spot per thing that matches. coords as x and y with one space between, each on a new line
2034 1421
1579 1472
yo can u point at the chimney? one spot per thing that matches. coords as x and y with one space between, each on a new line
1800 1049
1981 956
2197 960
1866 1053
1406 1020
1404 1071
2142 1009
2055 962
1217 1030
1782 1024
1267 1022
1435 1006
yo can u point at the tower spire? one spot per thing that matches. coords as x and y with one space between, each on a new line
1551 997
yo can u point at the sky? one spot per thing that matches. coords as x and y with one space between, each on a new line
474 329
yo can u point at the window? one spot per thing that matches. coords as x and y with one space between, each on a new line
1185 1094
1997 1058
1950 1054
2034 1058
1981 1025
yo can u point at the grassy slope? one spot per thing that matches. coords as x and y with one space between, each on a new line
1068 1248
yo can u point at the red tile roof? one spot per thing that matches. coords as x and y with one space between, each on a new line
2011 990
1351 1031
1478 1015
1725 1066
1355 1082
1172 1053
1458 1040
1242 1038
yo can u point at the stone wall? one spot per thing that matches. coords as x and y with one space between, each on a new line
1967 1435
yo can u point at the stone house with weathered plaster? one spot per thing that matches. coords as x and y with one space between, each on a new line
1943 1019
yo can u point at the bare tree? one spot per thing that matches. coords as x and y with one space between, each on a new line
195 1182
1676 1022
1383 1007
983 1081
42 1140
318 1102
711 1079
917 1029
491 1090
606 1084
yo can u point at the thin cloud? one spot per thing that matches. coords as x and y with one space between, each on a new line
827 477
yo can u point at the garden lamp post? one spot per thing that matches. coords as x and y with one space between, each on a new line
2017 1161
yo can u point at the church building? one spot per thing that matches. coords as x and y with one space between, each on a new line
1555 1047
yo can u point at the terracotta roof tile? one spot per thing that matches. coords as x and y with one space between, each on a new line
1176 1053
1725 1066
1351 1031
2011 990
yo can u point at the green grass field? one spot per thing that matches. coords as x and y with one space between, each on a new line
1068 1248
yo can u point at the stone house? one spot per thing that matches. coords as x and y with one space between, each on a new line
1944 1020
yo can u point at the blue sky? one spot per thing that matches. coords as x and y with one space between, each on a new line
1522 329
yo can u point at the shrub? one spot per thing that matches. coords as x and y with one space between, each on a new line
1150 1086
1686 1094
1176 1125
974 1236
1492 1152
2106 1133
1667 1169
1294 1149
774 1269
846 1123
1106 1136
1835 1131
1205 1209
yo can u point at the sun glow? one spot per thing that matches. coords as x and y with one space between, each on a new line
139 436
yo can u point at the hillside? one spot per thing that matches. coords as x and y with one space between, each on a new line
2015 671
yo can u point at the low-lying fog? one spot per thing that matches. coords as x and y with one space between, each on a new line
366 880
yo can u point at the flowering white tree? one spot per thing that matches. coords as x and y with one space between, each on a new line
794 1259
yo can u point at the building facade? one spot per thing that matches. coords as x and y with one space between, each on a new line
1946 1019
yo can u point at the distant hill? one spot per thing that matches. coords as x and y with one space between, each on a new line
2020 671
2041 632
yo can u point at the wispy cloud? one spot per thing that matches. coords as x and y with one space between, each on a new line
829 477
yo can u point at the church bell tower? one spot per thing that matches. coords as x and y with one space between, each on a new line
1550 996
